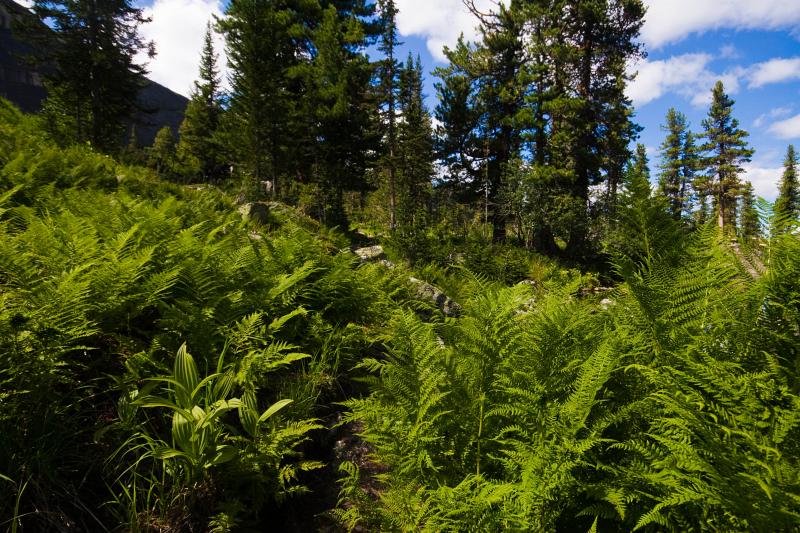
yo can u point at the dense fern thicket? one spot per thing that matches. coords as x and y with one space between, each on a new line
166 365
105 275
669 405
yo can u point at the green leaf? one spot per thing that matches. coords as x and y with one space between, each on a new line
185 373
248 413
274 408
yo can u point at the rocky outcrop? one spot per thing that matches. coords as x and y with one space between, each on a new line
370 254
255 212
433 295
424 290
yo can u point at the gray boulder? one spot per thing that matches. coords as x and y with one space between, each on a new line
429 293
255 212
370 253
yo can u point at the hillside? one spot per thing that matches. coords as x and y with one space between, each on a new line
174 362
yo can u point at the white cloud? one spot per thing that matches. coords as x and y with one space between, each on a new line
774 113
774 71
655 78
787 129
728 51
439 22
178 28
688 75
669 21
764 179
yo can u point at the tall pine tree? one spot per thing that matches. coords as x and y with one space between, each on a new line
343 106
749 225
389 87
727 150
415 147
787 206
260 50
479 105
678 161
199 146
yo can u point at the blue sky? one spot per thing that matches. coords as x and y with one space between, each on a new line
752 45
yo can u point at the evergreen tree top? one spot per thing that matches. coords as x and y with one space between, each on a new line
207 85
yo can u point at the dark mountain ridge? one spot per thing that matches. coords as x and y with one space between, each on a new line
157 105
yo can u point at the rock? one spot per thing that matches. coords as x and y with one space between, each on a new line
456 258
370 253
435 296
255 212
605 303
585 292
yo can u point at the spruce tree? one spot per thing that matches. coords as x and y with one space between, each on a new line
199 147
787 206
389 87
640 166
727 150
343 107
678 162
133 154
553 73
690 189
599 38
86 51
161 156
480 102
415 147
260 51
750 227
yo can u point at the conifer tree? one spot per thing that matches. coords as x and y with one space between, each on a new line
389 87
199 145
343 107
599 37
787 206
640 166
133 154
618 132
750 227
481 136
86 51
727 149
260 51
552 73
161 156
415 146
678 162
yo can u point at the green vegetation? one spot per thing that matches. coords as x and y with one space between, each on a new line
671 404
106 273
313 312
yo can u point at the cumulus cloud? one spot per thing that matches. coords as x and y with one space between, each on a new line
787 129
774 71
655 78
688 75
439 22
669 21
178 28
764 179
